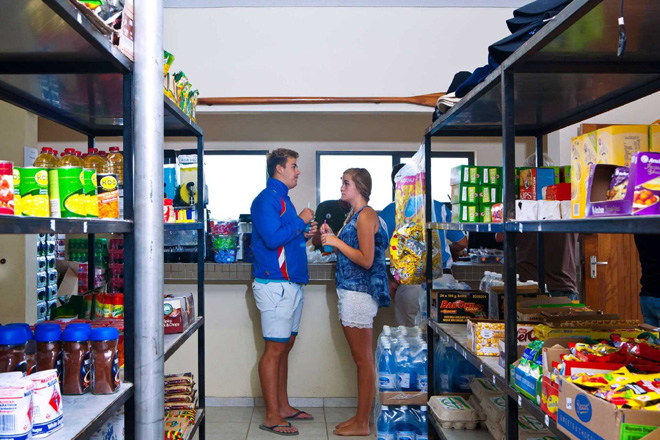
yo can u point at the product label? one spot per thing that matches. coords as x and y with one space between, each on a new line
46 404
86 372
385 436
444 381
16 410
422 437
387 381
453 403
422 383
405 435
635 432
404 380
499 403
486 385
115 369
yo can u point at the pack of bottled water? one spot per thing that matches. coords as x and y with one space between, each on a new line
402 423
402 360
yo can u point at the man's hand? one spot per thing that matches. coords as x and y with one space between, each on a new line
307 215
313 229
393 285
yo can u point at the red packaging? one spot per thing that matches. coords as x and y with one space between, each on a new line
558 191
6 188
497 213
549 397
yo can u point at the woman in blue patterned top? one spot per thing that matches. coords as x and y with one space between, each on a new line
362 287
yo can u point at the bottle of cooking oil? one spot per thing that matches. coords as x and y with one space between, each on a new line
69 159
46 159
94 160
116 164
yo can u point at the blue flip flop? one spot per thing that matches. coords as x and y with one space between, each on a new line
296 416
272 429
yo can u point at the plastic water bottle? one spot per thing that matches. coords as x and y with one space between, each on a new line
420 364
422 424
384 426
387 373
404 424
385 335
461 374
444 367
405 374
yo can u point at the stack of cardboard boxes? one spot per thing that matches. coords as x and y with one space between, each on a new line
474 190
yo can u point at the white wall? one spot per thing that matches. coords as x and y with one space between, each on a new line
329 51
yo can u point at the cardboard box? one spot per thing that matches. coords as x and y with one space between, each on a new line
583 155
403 398
528 385
549 397
583 416
496 299
491 176
465 174
465 193
533 180
654 137
490 194
483 336
558 191
457 306
464 213
545 332
532 309
565 174
485 212
178 312
617 143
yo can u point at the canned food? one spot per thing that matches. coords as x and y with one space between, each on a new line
108 195
6 188
33 186
66 192
89 189
17 191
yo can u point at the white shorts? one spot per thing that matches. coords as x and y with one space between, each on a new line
280 304
356 309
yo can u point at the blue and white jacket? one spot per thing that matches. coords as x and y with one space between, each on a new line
278 243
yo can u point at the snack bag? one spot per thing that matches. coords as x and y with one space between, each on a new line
618 184
408 245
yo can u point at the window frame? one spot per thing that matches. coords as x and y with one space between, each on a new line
397 155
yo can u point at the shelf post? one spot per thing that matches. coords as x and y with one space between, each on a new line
429 259
540 249
149 230
510 324
129 249
201 253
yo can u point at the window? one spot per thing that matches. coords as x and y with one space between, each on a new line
233 179
331 164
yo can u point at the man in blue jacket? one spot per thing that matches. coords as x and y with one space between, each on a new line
280 270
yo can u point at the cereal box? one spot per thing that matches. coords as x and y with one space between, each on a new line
617 143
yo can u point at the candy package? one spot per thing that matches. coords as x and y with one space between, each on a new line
408 244
618 184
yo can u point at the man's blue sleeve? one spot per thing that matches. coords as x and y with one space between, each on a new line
452 236
267 220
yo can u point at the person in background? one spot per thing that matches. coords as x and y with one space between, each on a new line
332 212
280 271
406 297
649 297
361 287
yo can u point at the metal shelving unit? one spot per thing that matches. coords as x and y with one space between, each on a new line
567 72
54 63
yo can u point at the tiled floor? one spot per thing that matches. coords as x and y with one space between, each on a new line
234 423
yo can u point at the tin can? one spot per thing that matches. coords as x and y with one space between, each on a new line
90 191
6 188
108 195
17 191
33 186
66 192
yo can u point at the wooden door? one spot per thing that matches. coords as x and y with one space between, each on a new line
615 289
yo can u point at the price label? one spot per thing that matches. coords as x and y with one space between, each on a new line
547 420
455 346
52 225
494 381
464 353
519 400
85 227
481 368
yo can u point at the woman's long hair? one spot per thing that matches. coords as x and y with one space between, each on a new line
362 180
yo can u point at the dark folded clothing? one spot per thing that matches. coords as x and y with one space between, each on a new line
477 76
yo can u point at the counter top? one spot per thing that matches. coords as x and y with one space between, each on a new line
241 272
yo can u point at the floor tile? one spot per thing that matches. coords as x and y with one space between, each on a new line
227 431
331 427
308 431
260 412
228 414
337 415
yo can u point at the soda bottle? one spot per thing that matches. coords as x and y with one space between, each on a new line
420 364
46 159
384 428
404 424
387 377
404 370
116 161
69 159
93 160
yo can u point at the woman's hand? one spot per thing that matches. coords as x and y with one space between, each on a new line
326 229
329 240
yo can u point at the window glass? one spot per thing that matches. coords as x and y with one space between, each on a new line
233 181
332 167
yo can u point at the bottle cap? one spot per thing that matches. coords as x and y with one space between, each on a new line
105 334
26 328
69 151
75 334
47 332
12 335
114 149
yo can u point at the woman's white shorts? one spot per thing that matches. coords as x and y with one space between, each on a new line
356 309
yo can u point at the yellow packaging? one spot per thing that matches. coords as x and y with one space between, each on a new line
483 337
617 143
654 137
544 332
583 155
